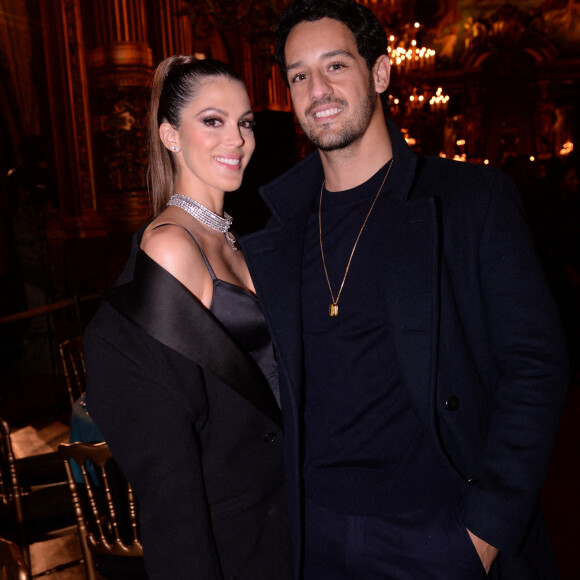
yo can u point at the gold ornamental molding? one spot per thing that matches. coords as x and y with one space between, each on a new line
77 88
121 54
119 51
70 116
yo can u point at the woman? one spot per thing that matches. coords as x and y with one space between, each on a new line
181 370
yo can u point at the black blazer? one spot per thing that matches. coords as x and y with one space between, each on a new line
194 426
477 337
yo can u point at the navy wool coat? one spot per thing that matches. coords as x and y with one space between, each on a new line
477 336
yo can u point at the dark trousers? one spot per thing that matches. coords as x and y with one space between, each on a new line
430 544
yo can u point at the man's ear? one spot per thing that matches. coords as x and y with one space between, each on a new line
169 137
382 73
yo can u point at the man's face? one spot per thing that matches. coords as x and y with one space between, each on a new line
332 90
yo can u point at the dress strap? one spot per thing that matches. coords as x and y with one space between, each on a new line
209 268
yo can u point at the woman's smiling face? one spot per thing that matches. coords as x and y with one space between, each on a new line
215 140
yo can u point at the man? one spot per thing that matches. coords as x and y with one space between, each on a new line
421 362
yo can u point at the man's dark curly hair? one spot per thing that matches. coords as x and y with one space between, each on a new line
370 36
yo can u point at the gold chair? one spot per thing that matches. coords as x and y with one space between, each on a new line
12 565
34 498
106 513
73 364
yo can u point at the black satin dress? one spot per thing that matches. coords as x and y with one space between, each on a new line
238 310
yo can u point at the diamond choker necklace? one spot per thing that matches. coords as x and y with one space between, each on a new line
205 216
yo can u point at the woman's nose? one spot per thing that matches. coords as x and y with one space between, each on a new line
235 136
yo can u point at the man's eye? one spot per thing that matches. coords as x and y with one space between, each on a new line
299 77
336 66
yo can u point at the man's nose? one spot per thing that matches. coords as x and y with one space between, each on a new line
320 88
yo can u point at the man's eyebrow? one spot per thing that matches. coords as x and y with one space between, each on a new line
324 56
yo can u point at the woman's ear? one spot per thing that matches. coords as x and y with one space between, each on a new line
382 73
169 137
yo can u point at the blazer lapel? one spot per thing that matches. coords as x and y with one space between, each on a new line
162 307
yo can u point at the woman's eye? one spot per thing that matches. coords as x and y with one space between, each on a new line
247 124
212 122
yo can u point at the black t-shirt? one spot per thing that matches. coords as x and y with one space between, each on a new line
362 438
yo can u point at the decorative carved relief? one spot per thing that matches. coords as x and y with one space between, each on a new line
508 30
121 139
122 135
121 63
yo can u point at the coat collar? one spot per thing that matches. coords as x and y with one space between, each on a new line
274 255
162 307
292 193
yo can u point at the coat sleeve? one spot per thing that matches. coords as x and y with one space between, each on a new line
136 397
527 346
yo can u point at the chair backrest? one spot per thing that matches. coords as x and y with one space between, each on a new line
104 504
34 499
10 493
12 566
73 364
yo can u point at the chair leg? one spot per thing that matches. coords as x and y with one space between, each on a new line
88 559
19 512
25 549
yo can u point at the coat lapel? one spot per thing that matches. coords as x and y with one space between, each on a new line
411 265
162 307
274 258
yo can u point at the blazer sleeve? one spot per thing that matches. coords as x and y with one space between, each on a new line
136 396
527 344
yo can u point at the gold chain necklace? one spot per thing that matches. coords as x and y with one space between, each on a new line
333 308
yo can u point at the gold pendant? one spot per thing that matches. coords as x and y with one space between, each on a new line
333 310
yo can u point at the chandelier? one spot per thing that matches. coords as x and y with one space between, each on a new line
416 103
405 54
439 101
413 63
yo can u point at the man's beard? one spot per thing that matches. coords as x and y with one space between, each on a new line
352 131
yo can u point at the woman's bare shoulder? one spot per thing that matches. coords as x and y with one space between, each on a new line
173 248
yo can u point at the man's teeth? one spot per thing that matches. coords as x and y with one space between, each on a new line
327 113
228 161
